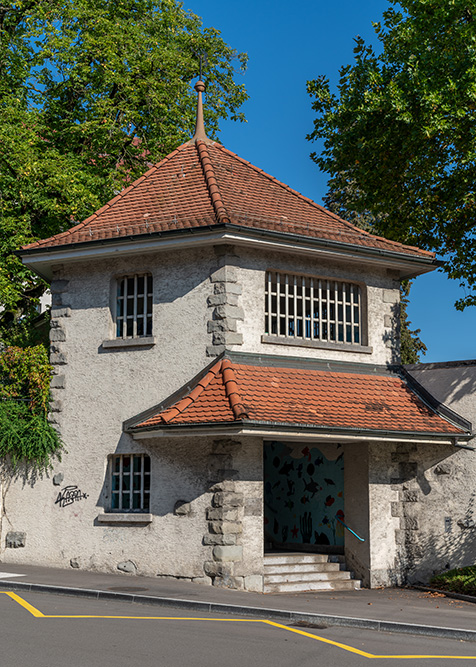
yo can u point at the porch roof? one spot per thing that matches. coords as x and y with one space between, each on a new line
250 390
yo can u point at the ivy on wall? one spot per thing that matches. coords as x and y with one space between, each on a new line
26 436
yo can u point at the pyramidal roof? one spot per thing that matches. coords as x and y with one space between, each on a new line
201 184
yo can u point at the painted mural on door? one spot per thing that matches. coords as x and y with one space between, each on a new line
304 493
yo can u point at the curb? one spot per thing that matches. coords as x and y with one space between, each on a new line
256 612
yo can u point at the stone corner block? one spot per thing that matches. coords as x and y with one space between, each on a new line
230 499
58 285
225 527
254 583
224 274
227 338
228 582
58 382
227 310
57 335
215 350
219 540
56 313
390 296
227 554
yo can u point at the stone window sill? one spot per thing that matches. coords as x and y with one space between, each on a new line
296 342
125 517
115 343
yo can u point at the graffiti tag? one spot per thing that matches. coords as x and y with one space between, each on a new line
69 495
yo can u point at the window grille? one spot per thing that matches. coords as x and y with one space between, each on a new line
315 309
134 306
130 488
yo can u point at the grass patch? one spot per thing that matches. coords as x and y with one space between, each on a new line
460 580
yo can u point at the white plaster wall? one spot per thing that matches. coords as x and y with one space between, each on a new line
382 305
102 389
383 524
356 509
249 463
170 545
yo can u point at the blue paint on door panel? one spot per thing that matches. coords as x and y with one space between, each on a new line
304 493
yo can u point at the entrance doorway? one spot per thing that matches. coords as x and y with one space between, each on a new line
304 496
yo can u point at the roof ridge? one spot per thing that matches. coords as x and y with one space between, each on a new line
352 227
211 182
232 390
168 415
112 201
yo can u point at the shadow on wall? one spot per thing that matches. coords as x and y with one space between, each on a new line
181 472
430 553
436 508
391 337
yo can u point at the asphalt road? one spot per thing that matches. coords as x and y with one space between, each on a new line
53 631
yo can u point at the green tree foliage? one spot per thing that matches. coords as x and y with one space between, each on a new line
92 93
339 200
411 346
26 437
401 129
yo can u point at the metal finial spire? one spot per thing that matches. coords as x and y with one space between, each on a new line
200 134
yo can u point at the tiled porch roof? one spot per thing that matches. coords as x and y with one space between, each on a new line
204 185
235 391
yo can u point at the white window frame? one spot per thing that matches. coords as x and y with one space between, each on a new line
128 320
314 310
143 476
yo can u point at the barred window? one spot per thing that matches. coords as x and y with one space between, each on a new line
134 306
316 309
130 487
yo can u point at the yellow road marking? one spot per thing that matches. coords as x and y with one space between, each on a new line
371 656
25 604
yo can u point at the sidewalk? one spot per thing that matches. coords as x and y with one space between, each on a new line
391 610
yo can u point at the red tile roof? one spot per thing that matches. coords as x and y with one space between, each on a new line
233 391
202 185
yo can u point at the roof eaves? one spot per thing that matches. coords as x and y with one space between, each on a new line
298 239
271 426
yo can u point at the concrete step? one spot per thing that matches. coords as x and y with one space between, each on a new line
282 568
287 577
293 572
284 559
296 587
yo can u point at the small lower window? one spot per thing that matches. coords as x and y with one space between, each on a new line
130 487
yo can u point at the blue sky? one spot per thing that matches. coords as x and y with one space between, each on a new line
289 43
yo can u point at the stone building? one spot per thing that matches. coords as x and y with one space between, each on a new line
227 382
